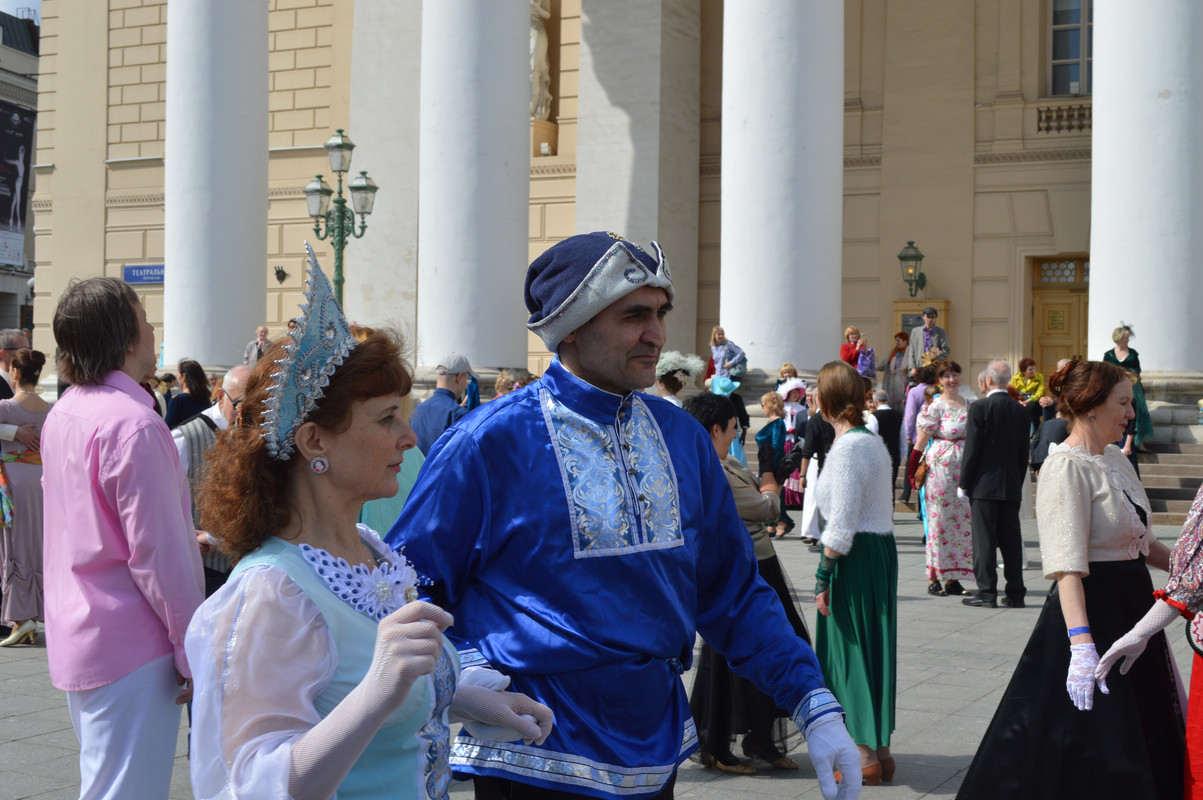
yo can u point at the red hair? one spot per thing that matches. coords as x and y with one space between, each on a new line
1024 363
1081 386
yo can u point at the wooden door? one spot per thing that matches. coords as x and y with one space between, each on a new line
1059 327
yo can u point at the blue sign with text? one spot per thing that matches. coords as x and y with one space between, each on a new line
142 273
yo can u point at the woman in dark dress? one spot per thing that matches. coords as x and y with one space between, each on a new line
1129 359
724 704
1053 736
193 397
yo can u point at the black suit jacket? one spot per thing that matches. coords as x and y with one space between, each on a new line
889 427
996 449
6 391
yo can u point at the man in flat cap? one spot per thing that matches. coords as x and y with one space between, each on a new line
928 342
583 532
441 410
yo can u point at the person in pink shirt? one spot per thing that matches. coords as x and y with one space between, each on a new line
123 571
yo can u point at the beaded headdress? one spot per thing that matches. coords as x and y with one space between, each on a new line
319 344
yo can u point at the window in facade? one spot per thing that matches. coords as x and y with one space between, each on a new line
1071 47
1062 273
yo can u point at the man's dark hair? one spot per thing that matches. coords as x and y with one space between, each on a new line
95 325
710 410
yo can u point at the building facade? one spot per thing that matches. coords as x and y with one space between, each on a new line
495 129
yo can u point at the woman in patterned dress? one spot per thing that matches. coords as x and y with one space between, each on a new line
315 673
949 529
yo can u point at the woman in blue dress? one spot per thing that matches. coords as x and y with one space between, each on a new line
318 673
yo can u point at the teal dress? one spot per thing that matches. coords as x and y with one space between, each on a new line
1144 422
409 755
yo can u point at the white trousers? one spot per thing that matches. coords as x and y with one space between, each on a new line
127 733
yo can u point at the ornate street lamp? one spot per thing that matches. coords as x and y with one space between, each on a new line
911 260
340 220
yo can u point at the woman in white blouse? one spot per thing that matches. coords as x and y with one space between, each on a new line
1051 738
315 674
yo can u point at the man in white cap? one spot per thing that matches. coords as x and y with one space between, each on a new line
441 410
583 533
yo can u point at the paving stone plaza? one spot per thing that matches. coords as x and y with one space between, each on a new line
954 663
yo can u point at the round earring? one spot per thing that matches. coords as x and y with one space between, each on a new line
1092 418
319 464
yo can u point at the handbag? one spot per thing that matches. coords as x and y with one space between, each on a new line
920 474
739 371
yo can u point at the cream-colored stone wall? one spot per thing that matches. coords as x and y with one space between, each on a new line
948 141
112 196
553 178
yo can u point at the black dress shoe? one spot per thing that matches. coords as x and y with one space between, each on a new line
1009 603
979 602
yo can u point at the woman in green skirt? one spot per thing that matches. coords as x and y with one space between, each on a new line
856 589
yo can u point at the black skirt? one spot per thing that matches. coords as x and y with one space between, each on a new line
1129 746
724 704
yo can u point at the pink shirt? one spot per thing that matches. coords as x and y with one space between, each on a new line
122 571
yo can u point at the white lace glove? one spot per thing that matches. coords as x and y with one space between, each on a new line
831 748
1132 644
1083 658
500 716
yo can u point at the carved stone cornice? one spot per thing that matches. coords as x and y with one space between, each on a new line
562 169
710 165
41 205
131 200
855 162
1033 156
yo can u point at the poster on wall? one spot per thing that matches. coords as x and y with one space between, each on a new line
16 152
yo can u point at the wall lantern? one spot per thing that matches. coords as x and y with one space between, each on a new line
911 260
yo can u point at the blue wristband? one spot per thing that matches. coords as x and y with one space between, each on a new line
1072 632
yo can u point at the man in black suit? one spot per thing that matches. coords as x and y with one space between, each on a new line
993 475
889 428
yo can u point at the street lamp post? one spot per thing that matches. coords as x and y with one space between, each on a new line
340 220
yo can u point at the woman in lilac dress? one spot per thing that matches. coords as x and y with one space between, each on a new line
21 498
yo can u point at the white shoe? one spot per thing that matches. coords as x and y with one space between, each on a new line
27 633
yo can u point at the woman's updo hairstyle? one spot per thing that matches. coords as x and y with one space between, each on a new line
243 496
842 393
670 381
29 363
1081 386
927 374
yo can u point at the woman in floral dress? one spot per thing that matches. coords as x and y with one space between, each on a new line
950 534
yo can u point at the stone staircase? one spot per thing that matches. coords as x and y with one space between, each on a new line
1172 470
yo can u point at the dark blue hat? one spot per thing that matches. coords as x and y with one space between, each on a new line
575 279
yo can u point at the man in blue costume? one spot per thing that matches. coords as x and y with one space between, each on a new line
582 532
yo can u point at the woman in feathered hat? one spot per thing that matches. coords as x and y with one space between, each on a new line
673 371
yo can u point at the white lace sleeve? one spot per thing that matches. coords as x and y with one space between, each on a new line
261 653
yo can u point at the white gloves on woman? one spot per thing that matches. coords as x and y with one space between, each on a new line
831 748
1132 644
489 713
1083 658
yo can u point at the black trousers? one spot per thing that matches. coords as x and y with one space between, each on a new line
489 788
996 526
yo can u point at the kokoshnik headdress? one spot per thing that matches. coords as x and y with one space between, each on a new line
319 345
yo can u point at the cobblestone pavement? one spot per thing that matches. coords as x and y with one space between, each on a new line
954 663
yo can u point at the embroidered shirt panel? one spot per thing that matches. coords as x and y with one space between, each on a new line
619 482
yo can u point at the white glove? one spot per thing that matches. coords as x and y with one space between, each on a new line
500 716
831 748
1132 644
1083 658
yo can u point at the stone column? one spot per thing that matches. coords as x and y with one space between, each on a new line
215 183
382 285
782 180
638 136
1146 218
474 181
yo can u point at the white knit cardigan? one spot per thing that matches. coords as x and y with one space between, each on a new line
853 492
